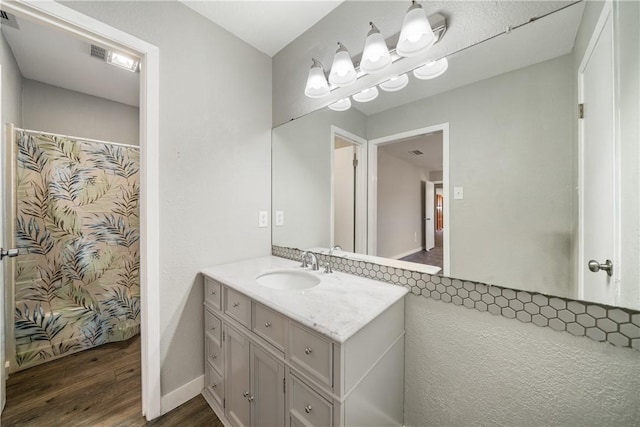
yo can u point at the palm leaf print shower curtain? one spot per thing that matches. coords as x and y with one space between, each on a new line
77 228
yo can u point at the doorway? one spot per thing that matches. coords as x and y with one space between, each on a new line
348 191
66 20
408 209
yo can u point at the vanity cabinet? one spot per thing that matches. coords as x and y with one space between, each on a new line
264 368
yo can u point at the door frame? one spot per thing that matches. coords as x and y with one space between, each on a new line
360 186
61 17
373 187
605 14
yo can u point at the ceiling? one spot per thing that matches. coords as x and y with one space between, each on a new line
430 144
59 59
267 25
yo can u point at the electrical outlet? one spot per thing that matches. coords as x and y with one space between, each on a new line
263 219
279 218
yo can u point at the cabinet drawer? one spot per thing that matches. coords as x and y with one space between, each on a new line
269 325
308 406
238 306
312 354
214 353
212 293
213 383
212 325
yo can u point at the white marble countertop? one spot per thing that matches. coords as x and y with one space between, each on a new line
338 307
389 262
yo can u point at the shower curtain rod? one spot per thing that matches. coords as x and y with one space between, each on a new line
79 138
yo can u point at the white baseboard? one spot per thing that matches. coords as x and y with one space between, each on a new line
182 394
404 254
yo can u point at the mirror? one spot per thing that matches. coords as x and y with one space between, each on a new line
486 173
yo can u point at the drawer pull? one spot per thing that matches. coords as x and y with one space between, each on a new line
245 394
213 328
213 292
250 398
267 324
235 304
307 350
214 386
307 409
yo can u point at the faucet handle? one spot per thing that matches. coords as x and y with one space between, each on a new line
304 257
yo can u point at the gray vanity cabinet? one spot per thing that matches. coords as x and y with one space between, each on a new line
265 369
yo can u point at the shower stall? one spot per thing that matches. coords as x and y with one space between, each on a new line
74 214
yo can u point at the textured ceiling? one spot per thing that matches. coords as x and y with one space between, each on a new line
266 25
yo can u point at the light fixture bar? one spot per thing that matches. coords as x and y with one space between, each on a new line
438 24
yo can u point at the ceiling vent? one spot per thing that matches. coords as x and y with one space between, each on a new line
416 152
98 52
9 20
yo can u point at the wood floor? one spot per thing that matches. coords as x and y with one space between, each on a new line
97 387
433 257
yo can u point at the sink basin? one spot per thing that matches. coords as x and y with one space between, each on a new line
287 280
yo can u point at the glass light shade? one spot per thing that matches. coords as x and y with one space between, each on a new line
317 85
395 83
343 105
122 61
342 71
432 69
416 34
366 95
375 56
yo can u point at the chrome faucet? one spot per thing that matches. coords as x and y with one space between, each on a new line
314 260
327 268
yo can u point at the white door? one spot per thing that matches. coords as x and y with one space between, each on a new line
3 385
429 212
598 189
267 388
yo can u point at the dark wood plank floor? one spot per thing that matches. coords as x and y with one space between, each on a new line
97 387
433 257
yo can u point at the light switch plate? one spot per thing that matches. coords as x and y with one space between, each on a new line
279 218
458 194
263 219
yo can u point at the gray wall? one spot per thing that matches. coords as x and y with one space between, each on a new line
215 127
53 109
399 206
468 368
510 149
302 175
11 86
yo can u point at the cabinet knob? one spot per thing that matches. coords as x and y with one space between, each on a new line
245 394
214 386
235 304
307 350
213 292
307 409
250 398
215 356
267 324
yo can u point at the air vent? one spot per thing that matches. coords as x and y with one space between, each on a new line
416 152
9 20
98 52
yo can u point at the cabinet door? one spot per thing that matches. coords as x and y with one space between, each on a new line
267 385
237 390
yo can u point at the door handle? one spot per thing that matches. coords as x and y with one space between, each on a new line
11 253
595 266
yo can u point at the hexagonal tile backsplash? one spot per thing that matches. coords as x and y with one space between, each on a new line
618 326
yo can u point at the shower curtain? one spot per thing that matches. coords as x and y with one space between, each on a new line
77 229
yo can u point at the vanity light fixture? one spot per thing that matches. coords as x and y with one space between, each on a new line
366 95
122 61
416 35
343 73
395 83
375 55
317 85
342 105
432 69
